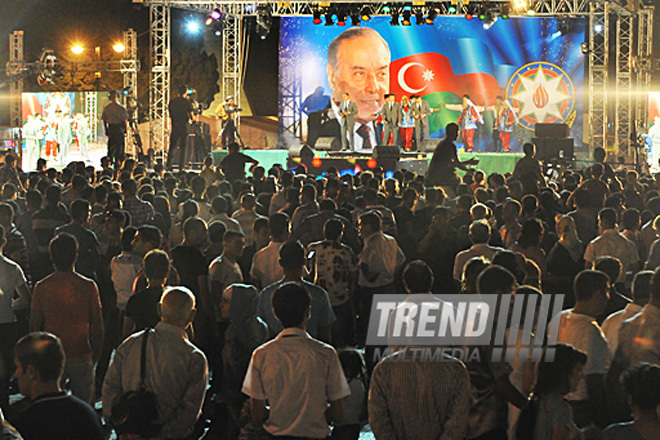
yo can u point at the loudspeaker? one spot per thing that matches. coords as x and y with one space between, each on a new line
302 151
327 143
555 131
387 152
428 145
549 149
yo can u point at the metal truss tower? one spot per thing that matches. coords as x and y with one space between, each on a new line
159 87
232 59
643 65
623 98
598 65
15 66
91 113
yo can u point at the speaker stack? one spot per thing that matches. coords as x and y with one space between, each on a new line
552 142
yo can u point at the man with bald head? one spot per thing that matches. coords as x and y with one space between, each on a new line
358 64
176 370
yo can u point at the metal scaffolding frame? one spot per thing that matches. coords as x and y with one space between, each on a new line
643 65
623 98
598 71
15 66
159 87
91 113
232 59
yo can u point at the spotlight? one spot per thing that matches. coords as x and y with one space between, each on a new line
563 25
452 9
209 21
215 15
520 5
317 17
419 17
328 19
490 20
365 15
482 14
264 21
355 19
77 49
192 26
406 18
432 14
118 47
395 18
584 46
598 27
341 19
387 9
505 12
469 13
407 8
531 12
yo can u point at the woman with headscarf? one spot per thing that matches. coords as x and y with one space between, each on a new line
565 260
246 331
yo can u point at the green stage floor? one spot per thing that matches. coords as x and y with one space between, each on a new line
488 162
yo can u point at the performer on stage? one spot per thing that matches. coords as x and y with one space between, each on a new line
392 115
505 120
442 169
226 112
115 119
421 111
82 132
407 124
654 153
468 122
50 136
181 113
64 135
347 111
31 134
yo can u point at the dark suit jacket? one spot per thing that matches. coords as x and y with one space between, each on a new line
322 123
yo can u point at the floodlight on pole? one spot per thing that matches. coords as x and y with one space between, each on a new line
118 47
77 49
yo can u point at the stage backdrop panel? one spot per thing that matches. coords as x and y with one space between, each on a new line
524 59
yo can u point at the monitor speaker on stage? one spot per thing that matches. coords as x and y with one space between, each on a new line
428 145
548 149
327 143
387 152
554 131
302 151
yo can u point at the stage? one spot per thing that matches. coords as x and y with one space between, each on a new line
488 162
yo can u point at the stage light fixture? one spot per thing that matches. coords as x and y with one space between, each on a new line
452 9
407 8
387 9
118 47
328 19
77 49
406 18
317 17
598 27
341 19
216 14
584 46
419 17
365 15
482 14
432 14
192 26
395 18
209 21
469 12
505 12
355 19
264 21
531 12
490 19
217 28
563 25
520 5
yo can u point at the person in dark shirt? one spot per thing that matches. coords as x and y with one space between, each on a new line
233 165
181 112
442 169
51 413
142 307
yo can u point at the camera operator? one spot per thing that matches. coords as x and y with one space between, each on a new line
114 119
196 147
181 113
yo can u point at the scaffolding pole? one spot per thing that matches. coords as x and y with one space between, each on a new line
598 65
232 60
159 87
623 109
15 66
643 66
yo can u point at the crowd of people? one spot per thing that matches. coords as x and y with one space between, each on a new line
193 305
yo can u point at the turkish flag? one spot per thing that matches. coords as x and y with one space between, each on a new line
426 73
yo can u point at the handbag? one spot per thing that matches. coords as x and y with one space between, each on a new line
136 412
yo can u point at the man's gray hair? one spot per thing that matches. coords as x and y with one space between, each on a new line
176 304
348 34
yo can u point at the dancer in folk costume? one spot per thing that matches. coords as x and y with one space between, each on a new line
50 135
505 120
82 131
468 120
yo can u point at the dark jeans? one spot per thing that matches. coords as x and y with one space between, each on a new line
228 133
178 139
116 142
343 329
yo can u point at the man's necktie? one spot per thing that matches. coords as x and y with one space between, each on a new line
363 132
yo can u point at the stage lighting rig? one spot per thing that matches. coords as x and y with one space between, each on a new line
365 15
355 18
341 18
490 19
563 25
406 18
432 14
328 18
317 16
264 21
419 17
395 17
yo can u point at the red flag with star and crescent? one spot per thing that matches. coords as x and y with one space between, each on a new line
428 73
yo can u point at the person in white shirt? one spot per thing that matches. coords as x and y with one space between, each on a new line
246 216
640 294
479 234
224 270
300 377
578 327
266 268
612 243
